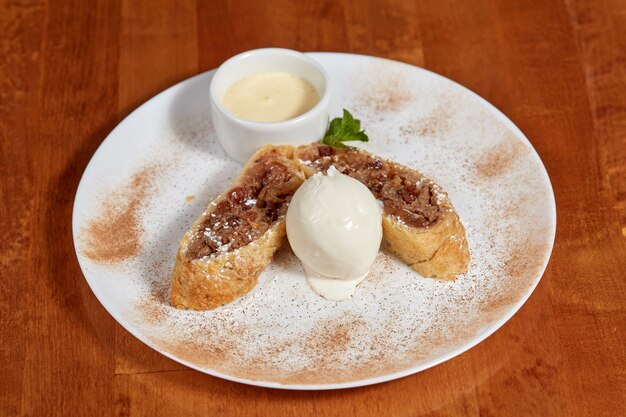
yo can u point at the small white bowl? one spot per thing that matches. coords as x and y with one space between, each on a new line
239 137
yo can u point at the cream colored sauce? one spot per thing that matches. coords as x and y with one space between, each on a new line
270 97
330 288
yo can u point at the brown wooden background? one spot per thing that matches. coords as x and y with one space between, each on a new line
70 71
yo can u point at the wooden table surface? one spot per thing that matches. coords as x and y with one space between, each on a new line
71 70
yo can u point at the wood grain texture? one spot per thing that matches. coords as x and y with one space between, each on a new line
71 70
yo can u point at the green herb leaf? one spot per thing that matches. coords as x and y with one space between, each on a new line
344 129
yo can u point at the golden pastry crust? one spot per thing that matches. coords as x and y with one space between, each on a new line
437 250
215 280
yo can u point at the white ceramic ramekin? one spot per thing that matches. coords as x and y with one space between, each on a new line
240 137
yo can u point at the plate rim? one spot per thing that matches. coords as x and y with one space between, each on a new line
490 330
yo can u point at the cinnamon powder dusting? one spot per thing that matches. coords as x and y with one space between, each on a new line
499 158
389 97
383 89
436 124
520 269
153 306
113 234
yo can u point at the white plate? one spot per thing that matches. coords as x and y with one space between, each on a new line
131 209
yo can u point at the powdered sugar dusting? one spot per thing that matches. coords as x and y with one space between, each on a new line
283 333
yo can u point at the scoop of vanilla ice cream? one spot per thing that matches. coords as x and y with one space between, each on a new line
334 226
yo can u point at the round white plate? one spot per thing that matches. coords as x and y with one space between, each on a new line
158 170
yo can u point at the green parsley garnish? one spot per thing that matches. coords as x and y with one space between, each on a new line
344 129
